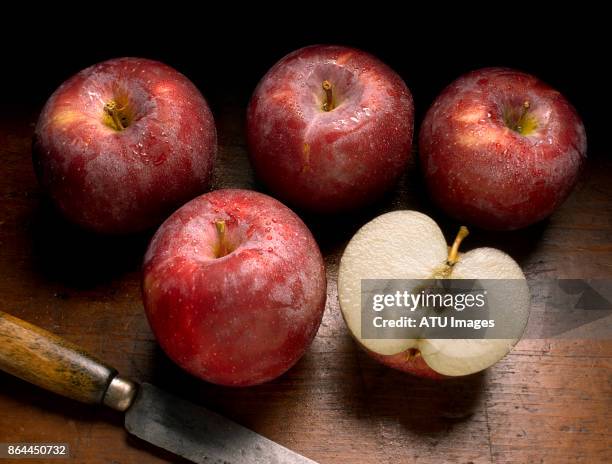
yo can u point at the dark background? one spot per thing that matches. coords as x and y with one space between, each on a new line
226 55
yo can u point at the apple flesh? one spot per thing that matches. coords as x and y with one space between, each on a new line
234 287
122 143
500 149
330 128
410 245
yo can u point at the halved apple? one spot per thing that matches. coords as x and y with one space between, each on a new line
410 245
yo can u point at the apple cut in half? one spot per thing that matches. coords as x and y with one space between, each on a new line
410 245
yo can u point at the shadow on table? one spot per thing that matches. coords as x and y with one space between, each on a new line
424 406
360 386
258 407
73 257
35 397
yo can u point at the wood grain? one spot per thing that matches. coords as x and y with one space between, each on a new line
548 401
51 362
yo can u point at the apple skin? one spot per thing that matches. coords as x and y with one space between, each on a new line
407 361
115 182
244 318
330 161
481 171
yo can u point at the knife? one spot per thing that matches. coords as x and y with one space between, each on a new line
190 431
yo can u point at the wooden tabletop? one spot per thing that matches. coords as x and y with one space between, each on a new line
548 401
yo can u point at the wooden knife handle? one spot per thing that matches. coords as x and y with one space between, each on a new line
49 361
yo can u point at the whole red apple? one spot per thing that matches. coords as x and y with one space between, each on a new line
330 128
500 149
234 287
122 143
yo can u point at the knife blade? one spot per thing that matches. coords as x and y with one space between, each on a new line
190 431
198 434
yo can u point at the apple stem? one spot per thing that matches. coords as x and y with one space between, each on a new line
519 126
453 254
328 105
111 109
222 248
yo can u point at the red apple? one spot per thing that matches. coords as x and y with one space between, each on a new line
330 128
122 143
500 149
234 287
410 361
